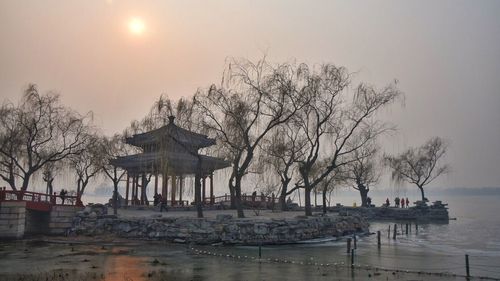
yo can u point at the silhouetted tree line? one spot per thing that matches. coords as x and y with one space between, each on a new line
306 126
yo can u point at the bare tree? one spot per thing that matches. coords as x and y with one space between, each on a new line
183 110
49 172
252 100
362 172
281 150
10 144
41 131
419 166
328 185
88 163
334 128
111 148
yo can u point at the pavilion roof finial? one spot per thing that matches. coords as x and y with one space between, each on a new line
171 119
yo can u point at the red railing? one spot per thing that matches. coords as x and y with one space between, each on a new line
29 196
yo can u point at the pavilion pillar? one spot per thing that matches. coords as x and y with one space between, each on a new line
204 192
212 199
164 186
174 187
181 185
126 190
156 184
132 201
143 184
137 189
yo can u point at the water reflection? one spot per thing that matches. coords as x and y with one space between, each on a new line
120 267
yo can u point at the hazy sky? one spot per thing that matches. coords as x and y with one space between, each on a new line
446 55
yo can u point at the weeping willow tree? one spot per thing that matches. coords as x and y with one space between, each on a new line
334 127
364 170
37 133
419 165
252 100
280 152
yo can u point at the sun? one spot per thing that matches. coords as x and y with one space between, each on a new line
136 26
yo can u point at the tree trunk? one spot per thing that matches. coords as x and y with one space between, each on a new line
26 181
422 192
232 193
51 188
78 188
324 199
282 202
364 195
237 197
282 199
115 197
307 201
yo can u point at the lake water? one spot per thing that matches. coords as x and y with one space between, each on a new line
434 248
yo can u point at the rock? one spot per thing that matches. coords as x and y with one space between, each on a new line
124 227
177 240
260 229
223 217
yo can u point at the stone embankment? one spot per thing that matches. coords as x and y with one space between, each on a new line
436 212
223 229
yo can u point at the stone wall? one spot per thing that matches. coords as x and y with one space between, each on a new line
424 213
61 219
12 219
223 229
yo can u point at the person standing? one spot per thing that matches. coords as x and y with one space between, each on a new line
407 203
62 194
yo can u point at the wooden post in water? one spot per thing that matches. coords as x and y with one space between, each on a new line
348 245
467 270
389 232
395 231
355 242
378 238
416 228
260 250
406 229
352 258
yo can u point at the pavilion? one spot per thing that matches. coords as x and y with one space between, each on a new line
172 153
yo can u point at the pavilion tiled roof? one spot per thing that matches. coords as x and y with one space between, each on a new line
176 162
186 137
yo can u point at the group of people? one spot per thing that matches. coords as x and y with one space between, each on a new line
403 202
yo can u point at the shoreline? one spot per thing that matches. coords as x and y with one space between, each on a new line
222 229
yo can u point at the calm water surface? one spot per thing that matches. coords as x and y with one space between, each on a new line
434 248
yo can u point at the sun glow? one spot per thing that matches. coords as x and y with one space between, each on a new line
136 26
